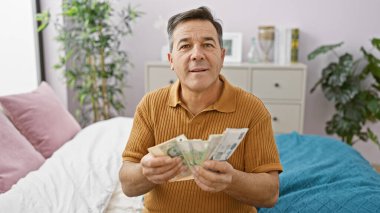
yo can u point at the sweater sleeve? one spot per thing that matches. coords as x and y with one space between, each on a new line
142 136
261 153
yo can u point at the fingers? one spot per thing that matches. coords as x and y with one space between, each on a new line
214 176
150 161
218 166
159 170
159 177
204 186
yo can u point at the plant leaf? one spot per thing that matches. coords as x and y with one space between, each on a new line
44 18
373 137
322 50
376 43
316 85
373 65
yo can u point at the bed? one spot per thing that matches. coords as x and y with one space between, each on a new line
81 176
320 174
49 164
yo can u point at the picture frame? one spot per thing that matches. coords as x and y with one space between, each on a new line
233 44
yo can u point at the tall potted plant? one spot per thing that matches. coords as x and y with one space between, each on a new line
345 83
93 62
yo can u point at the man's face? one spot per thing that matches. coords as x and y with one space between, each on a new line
197 57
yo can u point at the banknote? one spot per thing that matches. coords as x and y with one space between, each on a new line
168 148
171 149
213 141
199 151
228 143
195 151
186 150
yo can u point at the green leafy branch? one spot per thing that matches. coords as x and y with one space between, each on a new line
91 57
344 84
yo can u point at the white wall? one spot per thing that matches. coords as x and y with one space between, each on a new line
51 51
320 22
19 60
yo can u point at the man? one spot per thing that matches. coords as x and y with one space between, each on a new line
200 103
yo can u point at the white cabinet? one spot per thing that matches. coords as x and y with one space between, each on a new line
242 79
278 84
158 75
280 87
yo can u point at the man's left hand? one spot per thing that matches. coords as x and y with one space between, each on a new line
214 176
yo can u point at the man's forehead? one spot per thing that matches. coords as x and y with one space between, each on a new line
195 28
201 38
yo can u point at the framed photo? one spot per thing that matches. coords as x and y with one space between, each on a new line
232 42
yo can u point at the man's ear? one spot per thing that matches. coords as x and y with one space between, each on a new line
170 59
223 54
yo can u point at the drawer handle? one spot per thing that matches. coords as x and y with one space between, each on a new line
276 85
171 81
275 119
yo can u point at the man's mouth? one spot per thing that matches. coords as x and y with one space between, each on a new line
198 70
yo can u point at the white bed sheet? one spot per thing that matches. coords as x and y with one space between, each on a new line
82 176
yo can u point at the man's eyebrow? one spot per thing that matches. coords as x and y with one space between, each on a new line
183 40
209 39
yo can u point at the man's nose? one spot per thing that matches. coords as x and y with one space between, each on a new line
197 53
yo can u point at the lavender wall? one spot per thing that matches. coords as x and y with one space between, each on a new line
320 22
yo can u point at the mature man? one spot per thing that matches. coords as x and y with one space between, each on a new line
200 103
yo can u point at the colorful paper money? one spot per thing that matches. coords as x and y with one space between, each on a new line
194 152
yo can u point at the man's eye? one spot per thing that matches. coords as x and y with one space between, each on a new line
209 45
185 46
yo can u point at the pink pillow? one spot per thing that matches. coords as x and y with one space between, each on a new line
17 155
41 118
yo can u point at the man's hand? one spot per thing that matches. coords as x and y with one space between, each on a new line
255 189
159 170
214 176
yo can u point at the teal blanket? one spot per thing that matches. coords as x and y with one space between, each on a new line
324 175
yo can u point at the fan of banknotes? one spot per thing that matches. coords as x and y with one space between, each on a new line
194 151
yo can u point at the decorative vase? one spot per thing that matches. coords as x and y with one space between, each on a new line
253 53
266 42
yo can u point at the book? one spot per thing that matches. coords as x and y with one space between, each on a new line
286 45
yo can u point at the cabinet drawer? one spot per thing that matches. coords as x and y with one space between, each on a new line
278 84
285 117
158 77
238 77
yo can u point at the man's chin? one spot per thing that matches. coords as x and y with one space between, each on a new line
198 85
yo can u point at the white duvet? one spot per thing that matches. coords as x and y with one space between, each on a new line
82 176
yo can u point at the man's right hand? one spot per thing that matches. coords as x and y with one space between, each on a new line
159 170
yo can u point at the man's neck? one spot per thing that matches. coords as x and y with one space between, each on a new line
196 102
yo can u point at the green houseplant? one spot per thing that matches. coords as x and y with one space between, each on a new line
346 83
93 63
